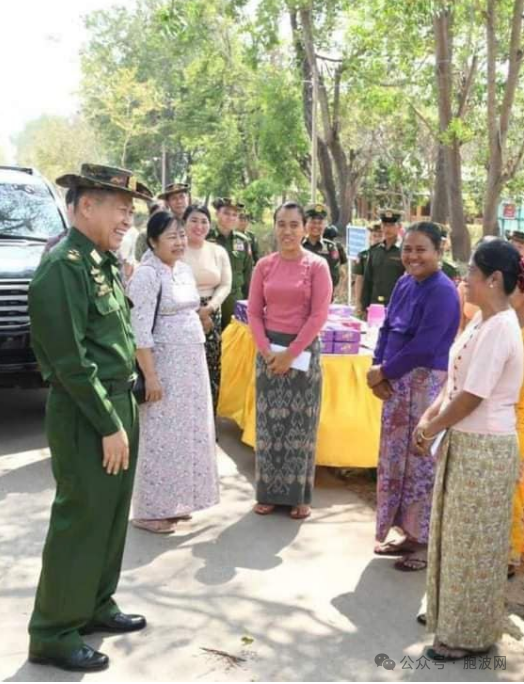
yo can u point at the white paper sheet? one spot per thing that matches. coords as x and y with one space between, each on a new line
436 444
302 361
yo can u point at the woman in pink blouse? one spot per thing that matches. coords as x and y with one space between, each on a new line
288 305
477 465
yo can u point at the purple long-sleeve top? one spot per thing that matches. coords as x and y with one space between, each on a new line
420 327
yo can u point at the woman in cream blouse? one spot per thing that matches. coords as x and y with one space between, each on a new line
212 270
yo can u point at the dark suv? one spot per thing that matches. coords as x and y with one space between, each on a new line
30 214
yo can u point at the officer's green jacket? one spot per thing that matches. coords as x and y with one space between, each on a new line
450 270
359 266
80 327
383 269
255 252
238 246
330 252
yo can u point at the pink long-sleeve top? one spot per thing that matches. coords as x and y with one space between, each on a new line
289 296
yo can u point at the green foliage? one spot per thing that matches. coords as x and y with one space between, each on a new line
56 145
218 83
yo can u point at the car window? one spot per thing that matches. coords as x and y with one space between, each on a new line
28 210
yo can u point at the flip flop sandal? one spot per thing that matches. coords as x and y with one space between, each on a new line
155 526
406 564
435 655
392 549
300 516
263 509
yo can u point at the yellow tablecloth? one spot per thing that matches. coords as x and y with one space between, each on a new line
349 429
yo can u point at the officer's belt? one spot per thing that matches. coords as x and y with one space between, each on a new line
112 387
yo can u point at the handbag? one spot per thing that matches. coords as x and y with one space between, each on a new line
139 386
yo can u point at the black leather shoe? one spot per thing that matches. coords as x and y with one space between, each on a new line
84 659
120 623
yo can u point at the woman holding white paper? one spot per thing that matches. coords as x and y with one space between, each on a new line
289 302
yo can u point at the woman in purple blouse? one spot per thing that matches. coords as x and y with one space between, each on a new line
408 372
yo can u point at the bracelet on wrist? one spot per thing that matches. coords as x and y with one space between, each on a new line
424 437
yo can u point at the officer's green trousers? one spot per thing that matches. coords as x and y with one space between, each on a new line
83 551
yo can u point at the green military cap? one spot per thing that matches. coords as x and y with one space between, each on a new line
173 189
102 177
228 202
389 216
515 235
316 211
331 232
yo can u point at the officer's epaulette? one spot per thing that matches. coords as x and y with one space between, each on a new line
241 236
64 251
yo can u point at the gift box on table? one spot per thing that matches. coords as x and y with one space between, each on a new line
326 345
240 312
340 310
346 347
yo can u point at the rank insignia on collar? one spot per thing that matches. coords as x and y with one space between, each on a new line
95 256
99 279
73 255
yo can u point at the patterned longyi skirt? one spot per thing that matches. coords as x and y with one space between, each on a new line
469 539
287 415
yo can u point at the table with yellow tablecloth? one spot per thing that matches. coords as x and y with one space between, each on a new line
349 430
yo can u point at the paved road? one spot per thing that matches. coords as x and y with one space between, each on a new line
316 602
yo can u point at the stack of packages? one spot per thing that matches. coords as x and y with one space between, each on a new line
340 335
241 311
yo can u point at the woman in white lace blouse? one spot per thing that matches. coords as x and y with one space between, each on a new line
177 470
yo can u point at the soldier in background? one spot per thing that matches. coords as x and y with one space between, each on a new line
176 197
446 265
384 265
238 247
244 219
359 267
516 237
316 223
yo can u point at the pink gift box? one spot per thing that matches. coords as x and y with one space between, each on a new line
346 347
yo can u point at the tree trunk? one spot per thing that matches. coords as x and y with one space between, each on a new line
440 201
327 182
499 169
460 239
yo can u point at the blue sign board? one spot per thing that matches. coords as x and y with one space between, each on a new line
357 240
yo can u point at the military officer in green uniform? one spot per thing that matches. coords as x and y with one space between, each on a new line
384 265
176 197
244 219
516 237
238 247
82 338
446 265
359 267
316 221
